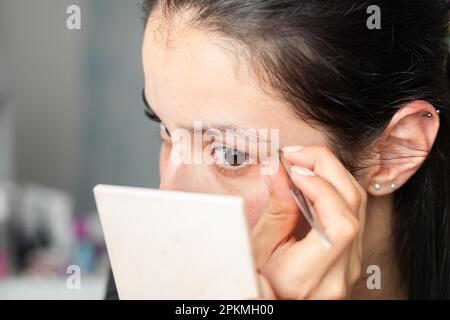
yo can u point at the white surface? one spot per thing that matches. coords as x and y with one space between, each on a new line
28 288
177 245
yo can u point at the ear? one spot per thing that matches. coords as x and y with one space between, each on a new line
403 147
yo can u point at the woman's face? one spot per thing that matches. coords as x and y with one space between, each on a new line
190 76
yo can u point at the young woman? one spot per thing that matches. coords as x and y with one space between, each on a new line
363 119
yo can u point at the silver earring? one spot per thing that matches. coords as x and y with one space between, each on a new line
377 186
427 115
392 185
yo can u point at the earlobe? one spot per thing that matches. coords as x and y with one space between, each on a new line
403 147
378 188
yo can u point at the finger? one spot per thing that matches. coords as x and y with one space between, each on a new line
356 255
318 157
266 290
332 210
278 219
334 285
340 279
324 163
309 255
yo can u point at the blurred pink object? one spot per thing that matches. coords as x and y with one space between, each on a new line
3 265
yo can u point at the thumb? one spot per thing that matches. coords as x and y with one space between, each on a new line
266 290
278 220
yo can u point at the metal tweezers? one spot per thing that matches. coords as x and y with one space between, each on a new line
304 204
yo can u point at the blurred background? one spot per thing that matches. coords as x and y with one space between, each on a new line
71 117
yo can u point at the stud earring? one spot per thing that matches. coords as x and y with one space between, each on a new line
392 185
427 115
377 186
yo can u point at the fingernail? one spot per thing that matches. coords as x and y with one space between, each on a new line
302 171
292 148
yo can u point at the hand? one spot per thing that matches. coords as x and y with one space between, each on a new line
305 269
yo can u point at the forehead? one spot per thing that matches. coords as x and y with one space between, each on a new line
192 75
197 68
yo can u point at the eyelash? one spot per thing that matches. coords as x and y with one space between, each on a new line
153 117
230 170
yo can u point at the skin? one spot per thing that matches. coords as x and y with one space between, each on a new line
191 76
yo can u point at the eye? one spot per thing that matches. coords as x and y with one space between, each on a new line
229 158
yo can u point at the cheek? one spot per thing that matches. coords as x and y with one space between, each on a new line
253 189
254 209
255 193
255 203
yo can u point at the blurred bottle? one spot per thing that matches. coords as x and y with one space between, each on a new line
5 212
84 255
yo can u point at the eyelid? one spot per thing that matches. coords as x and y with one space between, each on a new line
152 116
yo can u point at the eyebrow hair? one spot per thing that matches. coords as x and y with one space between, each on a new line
237 131
223 128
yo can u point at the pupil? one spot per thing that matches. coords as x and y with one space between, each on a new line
234 158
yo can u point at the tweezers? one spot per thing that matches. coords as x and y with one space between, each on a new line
304 204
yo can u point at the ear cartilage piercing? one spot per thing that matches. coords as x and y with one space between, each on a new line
377 186
392 185
427 115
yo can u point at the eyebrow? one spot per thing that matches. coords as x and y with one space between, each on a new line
223 128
